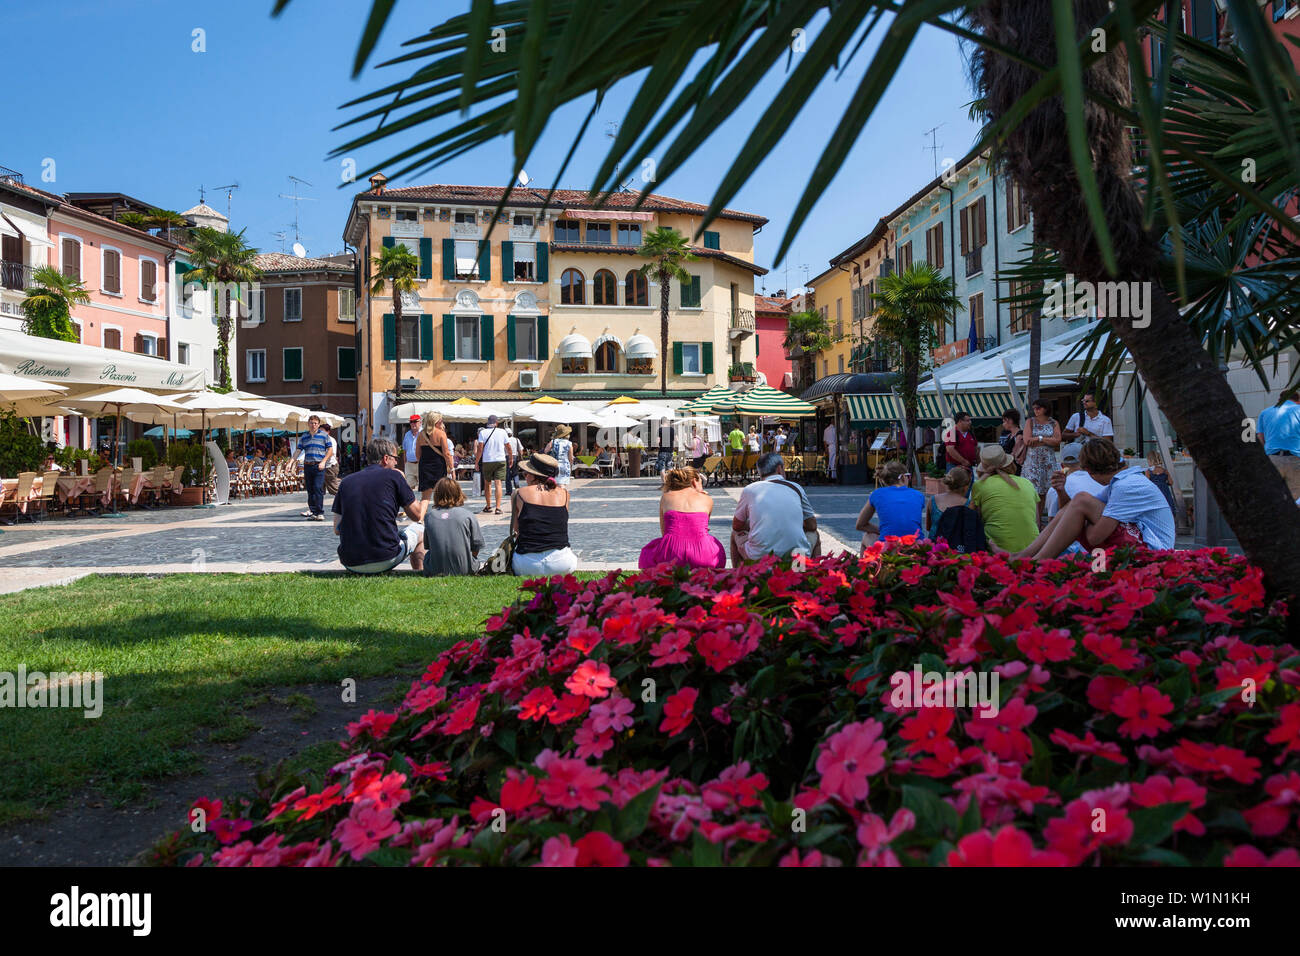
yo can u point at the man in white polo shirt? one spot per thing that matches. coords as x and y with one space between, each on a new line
773 516
1091 424
494 459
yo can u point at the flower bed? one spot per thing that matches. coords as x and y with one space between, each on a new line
776 715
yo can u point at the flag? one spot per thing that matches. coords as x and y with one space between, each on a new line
972 342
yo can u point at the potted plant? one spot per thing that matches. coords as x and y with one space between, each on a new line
934 473
634 448
736 373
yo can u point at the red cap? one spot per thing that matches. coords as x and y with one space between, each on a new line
415 418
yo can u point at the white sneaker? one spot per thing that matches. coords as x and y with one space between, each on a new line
316 518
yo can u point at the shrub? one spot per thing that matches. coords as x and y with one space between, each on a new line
145 450
1146 714
20 450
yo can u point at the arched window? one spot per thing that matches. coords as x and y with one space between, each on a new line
607 357
604 288
636 289
572 288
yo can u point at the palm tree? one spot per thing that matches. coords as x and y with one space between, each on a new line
396 267
47 306
167 221
1059 106
807 333
910 309
226 261
666 249
136 220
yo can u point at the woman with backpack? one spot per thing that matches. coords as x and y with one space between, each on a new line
951 518
897 508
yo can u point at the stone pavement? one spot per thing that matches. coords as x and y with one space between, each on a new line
609 522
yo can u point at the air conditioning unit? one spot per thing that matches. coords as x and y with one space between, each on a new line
410 384
530 379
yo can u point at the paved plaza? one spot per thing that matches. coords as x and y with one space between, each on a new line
610 520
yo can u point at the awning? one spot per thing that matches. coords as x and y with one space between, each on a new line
871 411
607 215
608 338
985 408
74 364
641 347
573 346
765 400
846 382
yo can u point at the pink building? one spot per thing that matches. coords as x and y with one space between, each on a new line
771 318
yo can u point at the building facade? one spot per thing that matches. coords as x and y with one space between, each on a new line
24 242
545 301
298 345
771 321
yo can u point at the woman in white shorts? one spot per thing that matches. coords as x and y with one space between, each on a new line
539 520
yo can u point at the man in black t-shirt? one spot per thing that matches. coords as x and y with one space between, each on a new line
365 515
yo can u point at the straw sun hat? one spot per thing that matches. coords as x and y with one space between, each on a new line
993 458
563 431
543 466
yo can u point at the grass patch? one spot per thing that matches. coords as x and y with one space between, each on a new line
184 655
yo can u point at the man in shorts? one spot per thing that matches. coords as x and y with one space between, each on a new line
495 458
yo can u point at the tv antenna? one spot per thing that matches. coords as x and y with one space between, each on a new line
934 146
282 236
230 188
297 199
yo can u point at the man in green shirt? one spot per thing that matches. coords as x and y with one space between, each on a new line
736 439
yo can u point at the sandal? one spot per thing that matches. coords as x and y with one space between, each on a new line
497 512
487 511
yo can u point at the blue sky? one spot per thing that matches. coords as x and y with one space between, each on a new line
117 97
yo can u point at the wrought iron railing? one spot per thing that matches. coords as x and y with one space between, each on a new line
15 275
742 319
12 175
974 262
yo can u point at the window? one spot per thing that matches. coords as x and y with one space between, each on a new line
572 288
112 274
347 364
1021 312
841 364
112 338
974 227
182 353
690 292
691 358
712 240
293 364
255 360
406 215
257 305
1017 206
148 280
573 366
934 245
71 249
525 261
411 243
467 218
604 288
523 219
977 313
629 234
904 256
839 313
607 357
293 305
466 258
566 230
347 305
146 344
636 289
526 339
410 336
598 232
467 337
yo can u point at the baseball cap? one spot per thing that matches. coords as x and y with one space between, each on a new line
415 418
1070 451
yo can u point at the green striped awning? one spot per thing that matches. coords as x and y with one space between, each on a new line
985 408
704 404
765 400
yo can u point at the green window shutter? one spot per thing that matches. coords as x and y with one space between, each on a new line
449 259
510 331
347 364
695 291
507 261
712 240
542 328
690 293
486 348
756 341
426 337
706 358
677 358
426 258
449 338
389 242
293 365
542 251
484 260
390 337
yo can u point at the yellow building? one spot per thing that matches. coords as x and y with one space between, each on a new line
842 294
551 302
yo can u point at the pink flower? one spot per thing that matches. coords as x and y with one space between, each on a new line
613 714
591 679
848 758
558 851
372 722
571 784
1249 856
365 828
1002 735
591 743
600 849
672 648
1010 847
1159 789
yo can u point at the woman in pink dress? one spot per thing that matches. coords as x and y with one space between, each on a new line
684 510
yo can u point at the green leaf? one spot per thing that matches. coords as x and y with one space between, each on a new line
1162 856
506 740
704 853
632 819
1153 825
934 816
1177 688
389 856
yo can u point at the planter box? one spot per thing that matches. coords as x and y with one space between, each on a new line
934 486
191 496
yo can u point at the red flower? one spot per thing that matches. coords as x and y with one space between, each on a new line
537 703
1111 650
571 784
1010 847
911 576
600 849
558 851
1102 691
740 830
461 718
848 758
590 742
719 651
613 714
315 803
1042 646
1095 820
1217 761
228 831
672 648
519 792
679 711
591 679
1287 730
568 707
1143 707
1002 734
1270 817
372 722
1249 856
1159 789
584 639
438 769
1088 745
365 828
927 729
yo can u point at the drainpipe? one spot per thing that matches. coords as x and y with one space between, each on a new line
952 249
997 304
170 292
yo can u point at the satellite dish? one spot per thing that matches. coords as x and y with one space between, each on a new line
524 179
299 251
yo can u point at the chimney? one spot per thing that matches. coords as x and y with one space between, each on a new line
377 183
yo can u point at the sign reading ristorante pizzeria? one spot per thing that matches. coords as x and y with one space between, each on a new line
70 363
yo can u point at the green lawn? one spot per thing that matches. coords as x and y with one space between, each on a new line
184 655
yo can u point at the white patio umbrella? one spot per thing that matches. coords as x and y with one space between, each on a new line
226 409
27 397
133 403
559 414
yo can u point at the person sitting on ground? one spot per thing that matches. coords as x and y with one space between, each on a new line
684 510
897 508
1129 510
365 515
773 516
452 536
1069 481
539 519
952 519
1007 504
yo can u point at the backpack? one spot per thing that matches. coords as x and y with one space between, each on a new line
962 528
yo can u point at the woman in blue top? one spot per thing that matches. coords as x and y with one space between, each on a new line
897 509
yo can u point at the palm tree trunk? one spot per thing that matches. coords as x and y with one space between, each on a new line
911 375
664 281
397 344
1035 356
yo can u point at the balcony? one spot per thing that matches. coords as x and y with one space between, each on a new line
406 229
742 323
15 275
11 175
974 262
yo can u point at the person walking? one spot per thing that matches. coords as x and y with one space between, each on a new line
1090 423
1012 438
830 439
1040 458
699 448
898 509
754 439
433 454
494 459
561 449
1279 432
452 536
411 454
1007 503
684 510
667 445
539 520
316 450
